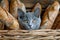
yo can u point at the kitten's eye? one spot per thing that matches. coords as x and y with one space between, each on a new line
21 17
26 21
34 21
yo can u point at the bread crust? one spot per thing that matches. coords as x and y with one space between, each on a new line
50 15
8 19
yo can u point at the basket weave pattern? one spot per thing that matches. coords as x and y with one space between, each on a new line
43 34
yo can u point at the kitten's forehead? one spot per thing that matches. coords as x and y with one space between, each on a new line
30 14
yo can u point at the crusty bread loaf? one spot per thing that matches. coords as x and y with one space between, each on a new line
50 15
1 25
5 4
14 6
21 6
8 19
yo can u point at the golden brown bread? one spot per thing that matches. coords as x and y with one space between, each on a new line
14 6
8 19
5 4
56 24
21 5
50 15
1 26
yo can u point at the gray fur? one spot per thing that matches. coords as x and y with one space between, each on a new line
29 20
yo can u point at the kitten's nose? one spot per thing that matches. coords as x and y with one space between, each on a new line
30 25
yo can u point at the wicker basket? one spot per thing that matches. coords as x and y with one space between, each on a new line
42 34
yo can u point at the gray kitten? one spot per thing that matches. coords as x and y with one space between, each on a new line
29 20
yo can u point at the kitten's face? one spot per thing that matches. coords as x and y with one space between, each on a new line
29 20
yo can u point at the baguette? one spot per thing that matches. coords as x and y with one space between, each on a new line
5 4
8 19
50 16
14 6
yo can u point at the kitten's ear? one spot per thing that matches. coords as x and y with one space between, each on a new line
20 13
37 10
